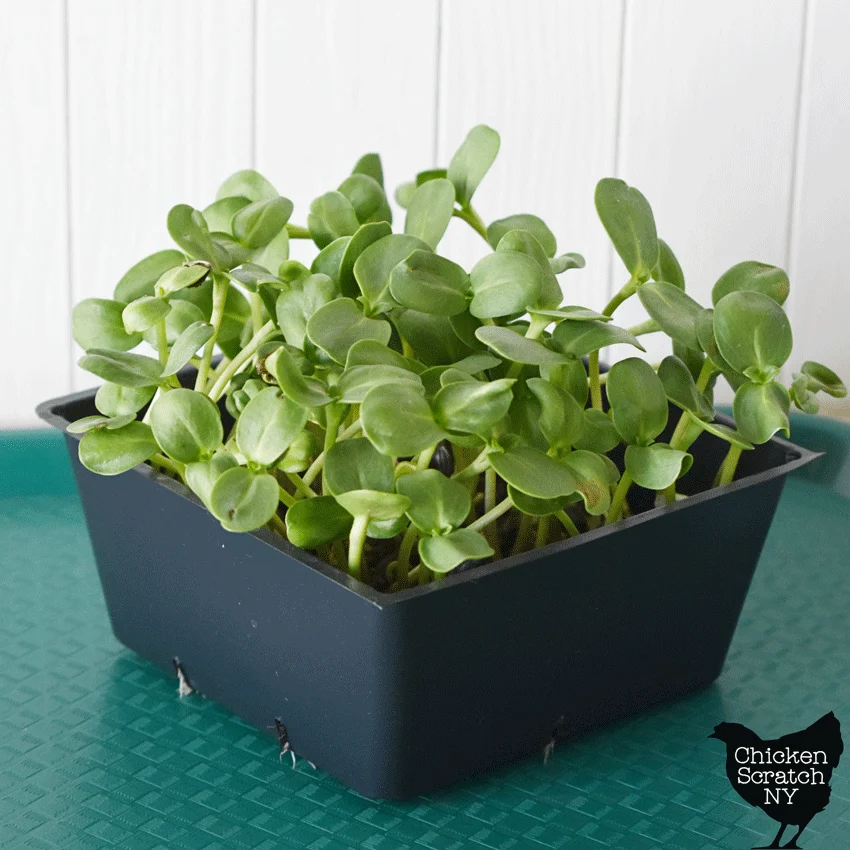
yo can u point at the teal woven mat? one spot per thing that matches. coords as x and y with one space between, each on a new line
97 751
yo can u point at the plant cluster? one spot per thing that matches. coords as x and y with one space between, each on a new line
429 416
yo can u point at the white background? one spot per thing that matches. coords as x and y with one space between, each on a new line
732 116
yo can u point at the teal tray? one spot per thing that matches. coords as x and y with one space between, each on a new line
97 751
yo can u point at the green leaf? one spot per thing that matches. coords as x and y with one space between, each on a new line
257 224
681 390
356 381
752 333
730 435
404 192
370 165
751 276
657 466
430 210
219 214
372 269
242 500
398 420
186 346
366 235
302 451
523 242
673 310
523 221
535 507
573 312
329 260
442 554
599 433
476 363
275 253
561 416
336 326
304 392
472 161
294 307
314 522
565 262
123 368
705 334
638 401
668 267
437 504
761 410
182 276
369 352
627 217
111 452
578 338
570 376
356 465
802 396
823 379
375 504
473 407
268 425
593 480
98 323
429 283
513 346
202 475
144 313
367 197
141 278
81 426
187 425
432 338
533 472
503 283
189 230
115 400
331 216
247 184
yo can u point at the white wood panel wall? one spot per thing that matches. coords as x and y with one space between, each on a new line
733 117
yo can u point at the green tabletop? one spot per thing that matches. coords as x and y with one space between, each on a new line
96 749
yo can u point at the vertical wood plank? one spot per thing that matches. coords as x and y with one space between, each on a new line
160 113
35 341
336 80
707 133
819 304
547 78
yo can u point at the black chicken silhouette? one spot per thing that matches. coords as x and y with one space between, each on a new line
788 778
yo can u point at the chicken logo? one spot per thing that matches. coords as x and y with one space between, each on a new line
788 778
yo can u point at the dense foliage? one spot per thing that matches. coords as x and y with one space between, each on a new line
430 416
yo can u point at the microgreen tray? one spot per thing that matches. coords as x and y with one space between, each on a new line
97 750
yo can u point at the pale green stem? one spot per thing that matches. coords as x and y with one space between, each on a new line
287 498
619 498
730 465
526 524
168 464
220 385
542 536
474 220
489 489
162 342
491 516
650 326
278 525
356 542
316 467
564 518
475 468
300 487
220 289
406 549
297 232
593 359
256 311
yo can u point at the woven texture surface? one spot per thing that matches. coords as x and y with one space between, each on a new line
96 749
